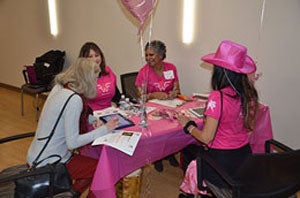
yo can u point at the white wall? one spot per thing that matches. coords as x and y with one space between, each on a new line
24 34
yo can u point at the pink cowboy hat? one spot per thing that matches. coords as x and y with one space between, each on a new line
231 56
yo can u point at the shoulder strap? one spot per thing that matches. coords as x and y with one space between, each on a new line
35 162
221 112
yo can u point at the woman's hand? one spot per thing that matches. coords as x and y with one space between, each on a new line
182 119
112 124
158 95
172 95
97 123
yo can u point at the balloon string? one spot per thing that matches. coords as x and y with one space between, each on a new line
142 46
150 29
258 74
262 17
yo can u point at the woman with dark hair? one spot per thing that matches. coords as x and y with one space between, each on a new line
229 115
107 90
161 81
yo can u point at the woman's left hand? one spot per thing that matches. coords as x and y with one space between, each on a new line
97 123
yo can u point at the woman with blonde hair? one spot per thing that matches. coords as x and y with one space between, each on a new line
80 79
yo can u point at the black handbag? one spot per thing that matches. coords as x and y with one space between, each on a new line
44 181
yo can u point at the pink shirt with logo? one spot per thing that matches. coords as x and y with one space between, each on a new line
231 133
157 83
106 87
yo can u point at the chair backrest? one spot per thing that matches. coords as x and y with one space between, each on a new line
270 174
128 84
29 75
275 174
274 171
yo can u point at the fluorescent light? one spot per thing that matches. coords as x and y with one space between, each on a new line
53 17
188 21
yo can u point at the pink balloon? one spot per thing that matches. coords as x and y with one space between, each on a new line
140 9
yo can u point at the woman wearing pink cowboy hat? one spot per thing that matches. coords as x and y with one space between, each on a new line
229 116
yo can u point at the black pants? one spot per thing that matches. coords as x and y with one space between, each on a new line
190 153
229 160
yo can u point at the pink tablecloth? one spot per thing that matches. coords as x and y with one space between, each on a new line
161 138
262 130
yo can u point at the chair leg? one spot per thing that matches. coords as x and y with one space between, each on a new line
37 107
22 102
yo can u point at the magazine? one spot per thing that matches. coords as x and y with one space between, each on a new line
125 141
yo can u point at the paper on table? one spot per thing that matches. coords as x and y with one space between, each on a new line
108 111
150 109
169 103
125 141
201 95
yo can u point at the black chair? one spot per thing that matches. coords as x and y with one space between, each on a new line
275 173
31 88
9 175
128 85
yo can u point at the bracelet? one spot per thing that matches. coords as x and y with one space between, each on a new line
189 123
191 128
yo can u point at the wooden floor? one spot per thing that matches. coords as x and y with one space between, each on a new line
154 184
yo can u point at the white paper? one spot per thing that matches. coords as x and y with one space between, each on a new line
169 103
106 111
150 109
125 141
201 95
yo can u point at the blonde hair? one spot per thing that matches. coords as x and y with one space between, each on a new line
80 77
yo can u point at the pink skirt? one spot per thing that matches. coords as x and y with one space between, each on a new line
190 182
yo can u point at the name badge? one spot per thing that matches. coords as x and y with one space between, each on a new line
169 74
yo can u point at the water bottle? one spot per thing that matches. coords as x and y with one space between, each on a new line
122 102
128 104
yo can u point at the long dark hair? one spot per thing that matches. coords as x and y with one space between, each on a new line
85 50
222 78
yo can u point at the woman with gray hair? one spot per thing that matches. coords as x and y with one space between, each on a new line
159 77
160 80
76 84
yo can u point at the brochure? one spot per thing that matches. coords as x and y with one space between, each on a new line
125 141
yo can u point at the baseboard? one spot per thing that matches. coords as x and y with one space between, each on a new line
18 89
10 87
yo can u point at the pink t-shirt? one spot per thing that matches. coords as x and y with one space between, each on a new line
231 133
106 87
157 83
